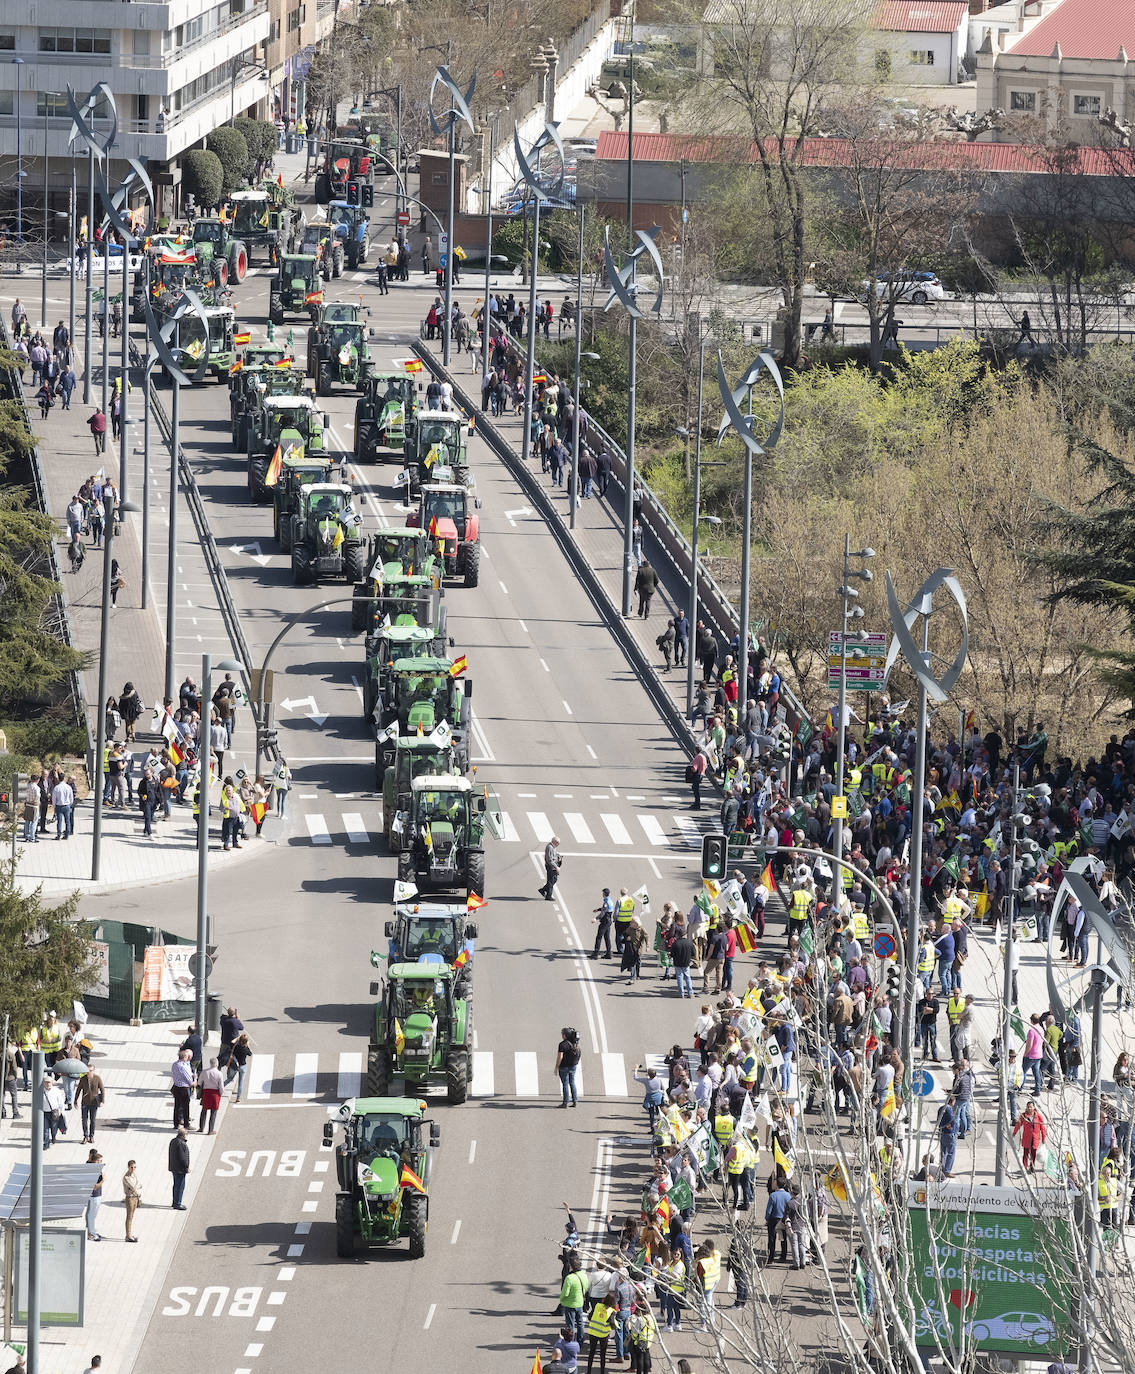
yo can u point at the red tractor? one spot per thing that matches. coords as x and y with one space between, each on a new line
449 514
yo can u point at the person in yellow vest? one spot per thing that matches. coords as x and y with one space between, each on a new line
231 807
854 779
709 1276
1108 1189
723 1129
624 910
799 912
749 1067
598 1329
740 1161
50 1039
642 1329
926 961
957 908
670 1285
28 1046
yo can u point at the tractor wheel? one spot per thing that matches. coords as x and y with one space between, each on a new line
416 1204
369 702
405 866
223 272
353 563
378 1071
475 872
344 1227
275 307
379 767
472 564
276 521
322 188
364 440
257 471
301 569
359 605
286 534
325 268
364 249
323 380
457 1077
238 263
337 263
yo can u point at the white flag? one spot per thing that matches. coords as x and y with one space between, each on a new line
748 1118
404 892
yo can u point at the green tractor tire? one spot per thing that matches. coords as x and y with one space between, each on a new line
353 565
416 1206
360 610
457 1077
257 472
323 380
379 766
344 1227
301 566
378 1071
475 873
472 564
276 307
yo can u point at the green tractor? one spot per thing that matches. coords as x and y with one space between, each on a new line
443 835
415 756
398 551
385 413
189 337
319 239
376 1204
296 289
337 347
219 252
265 224
258 376
390 644
404 601
423 1032
325 534
277 422
437 453
423 698
431 933
298 469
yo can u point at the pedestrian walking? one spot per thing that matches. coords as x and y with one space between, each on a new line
645 584
553 862
238 1064
97 425
567 1061
179 1166
634 942
63 800
681 638
600 1324
13 1058
1026 328
1033 1130
695 776
53 1103
947 1124
182 1082
212 1085
132 1196
92 1095
94 1202
665 642
604 919
46 399
427 256
281 786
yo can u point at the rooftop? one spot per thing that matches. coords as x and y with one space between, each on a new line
1082 28
920 16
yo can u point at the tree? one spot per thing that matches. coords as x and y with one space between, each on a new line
202 176
262 140
48 954
779 63
230 148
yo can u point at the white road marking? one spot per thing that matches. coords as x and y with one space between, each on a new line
286 1274
253 1350
295 1251
501 585
267 1323
580 830
615 828
482 1085
350 1080
539 823
481 739
509 832
567 708
356 829
527 794
306 1075
429 1316
472 1151
316 1187
311 1207
277 1298
358 689
303 1228
456 1231
614 1076
321 1166
260 1075
652 828
689 830
527 1074
317 828
545 666
523 626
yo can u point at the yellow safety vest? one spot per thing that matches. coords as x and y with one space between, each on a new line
674 1276
744 1157
854 777
224 806
749 1068
644 1335
30 1043
926 959
51 1039
197 800
601 1321
723 1128
625 910
954 1008
711 1272
800 903
106 760
1108 1191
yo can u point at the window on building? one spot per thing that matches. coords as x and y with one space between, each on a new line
1022 101
7 103
75 40
141 42
922 57
1086 105
7 42
53 104
293 21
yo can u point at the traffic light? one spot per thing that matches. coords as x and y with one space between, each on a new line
5 799
894 989
268 741
714 856
353 189
368 195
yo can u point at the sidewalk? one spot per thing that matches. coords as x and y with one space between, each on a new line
122 1285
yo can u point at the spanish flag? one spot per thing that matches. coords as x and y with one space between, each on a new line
460 962
313 298
767 881
664 1211
399 1038
412 364
280 181
433 525
176 755
475 903
458 666
969 720
282 362
746 939
243 338
236 367
539 379
409 1179
259 810
537 1367
272 476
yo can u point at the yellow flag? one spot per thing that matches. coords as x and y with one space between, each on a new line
399 1038
890 1105
785 1162
337 542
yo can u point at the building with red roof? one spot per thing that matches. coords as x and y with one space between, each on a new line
919 42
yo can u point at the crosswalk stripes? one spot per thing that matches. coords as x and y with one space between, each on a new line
615 828
652 828
689 830
317 828
580 830
356 827
540 826
308 1077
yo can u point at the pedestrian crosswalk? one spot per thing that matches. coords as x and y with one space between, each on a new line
646 829
313 1077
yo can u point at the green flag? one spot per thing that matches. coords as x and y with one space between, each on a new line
953 867
807 941
1017 1023
1086 838
680 1195
902 792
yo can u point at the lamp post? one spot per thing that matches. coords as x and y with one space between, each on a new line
573 487
485 318
205 759
847 612
72 254
89 284
394 93
104 633
19 65
244 64
46 215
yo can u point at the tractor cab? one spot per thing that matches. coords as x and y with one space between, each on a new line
386 413
444 834
416 756
251 212
384 648
292 412
401 549
327 505
444 513
430 933
191 334
298 270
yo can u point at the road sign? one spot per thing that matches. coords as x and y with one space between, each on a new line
403 218
864 659
193 964
269 679
884 945
921 1081
839 808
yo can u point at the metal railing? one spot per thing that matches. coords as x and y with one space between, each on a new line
14 386
217 574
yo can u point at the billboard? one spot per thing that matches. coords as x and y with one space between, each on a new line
996 1279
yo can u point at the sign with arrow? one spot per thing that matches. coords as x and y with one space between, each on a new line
314 714
257 557
513 515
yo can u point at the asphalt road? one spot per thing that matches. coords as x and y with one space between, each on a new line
567 736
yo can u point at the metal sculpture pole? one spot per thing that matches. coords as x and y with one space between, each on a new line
458 109
930 688
530 171
624 289
743 427
80 128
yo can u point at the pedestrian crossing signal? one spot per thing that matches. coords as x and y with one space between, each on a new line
714 856
893 980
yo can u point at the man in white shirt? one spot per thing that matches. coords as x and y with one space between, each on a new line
63 799
54 1108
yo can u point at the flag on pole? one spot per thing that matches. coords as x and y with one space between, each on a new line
313 298
663 1211
767 881
829 724
1017 1023
337 539
537 1367
259 810
475 902
236 367
412 364
176 755
244 337
433 526
409 1179
969 721
784 1162
746 939
272 476
282 362
458 666
399 1037
461 960
280 180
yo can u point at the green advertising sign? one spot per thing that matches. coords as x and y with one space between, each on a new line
994 1280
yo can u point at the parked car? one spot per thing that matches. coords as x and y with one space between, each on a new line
916 287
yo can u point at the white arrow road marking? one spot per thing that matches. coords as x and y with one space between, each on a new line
257 557
314 714
513 515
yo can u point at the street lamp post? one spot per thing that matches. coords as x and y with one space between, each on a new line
72 255
847 612
46 215
485 317
205 759
19 65
104 634
89 285
573 487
